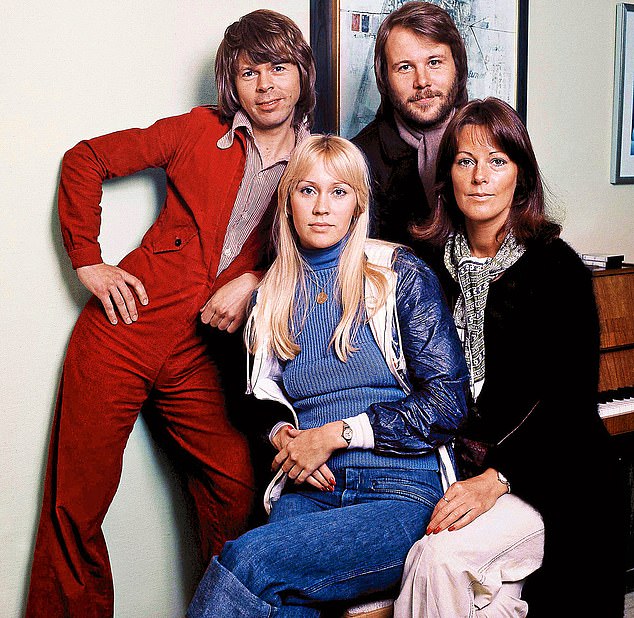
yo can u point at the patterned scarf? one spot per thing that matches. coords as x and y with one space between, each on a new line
474 276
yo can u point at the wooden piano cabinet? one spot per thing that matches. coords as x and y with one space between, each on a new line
614 292
620 424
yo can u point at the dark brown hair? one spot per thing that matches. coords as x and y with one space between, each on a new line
265 36
425 19
505 129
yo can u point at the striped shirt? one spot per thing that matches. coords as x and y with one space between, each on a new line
256 190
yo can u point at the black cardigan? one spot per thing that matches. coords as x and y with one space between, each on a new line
540 400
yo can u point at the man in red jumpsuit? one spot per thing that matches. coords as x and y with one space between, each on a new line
140 341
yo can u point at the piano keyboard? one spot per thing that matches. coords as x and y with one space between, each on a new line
616 402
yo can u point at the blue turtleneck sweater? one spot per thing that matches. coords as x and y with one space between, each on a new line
321 387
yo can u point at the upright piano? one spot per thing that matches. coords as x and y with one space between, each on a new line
614 293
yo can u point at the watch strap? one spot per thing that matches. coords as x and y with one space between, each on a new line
504 481
346 433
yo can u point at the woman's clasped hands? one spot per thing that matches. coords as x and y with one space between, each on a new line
302 453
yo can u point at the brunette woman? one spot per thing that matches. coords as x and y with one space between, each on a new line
534 455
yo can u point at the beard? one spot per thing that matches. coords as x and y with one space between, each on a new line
419 118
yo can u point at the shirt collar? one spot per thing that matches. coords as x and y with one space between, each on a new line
242 120
239 120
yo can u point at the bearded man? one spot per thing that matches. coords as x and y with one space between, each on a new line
420 65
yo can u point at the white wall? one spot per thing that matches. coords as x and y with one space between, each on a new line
570 80
72 70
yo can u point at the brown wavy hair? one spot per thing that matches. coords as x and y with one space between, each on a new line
527 218
424 19
265 36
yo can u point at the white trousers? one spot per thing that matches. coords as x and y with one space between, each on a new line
477 571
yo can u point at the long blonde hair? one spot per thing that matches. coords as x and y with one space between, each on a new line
270 324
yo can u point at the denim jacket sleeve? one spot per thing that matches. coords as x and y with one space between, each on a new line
431 413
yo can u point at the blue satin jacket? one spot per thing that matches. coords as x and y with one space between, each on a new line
416 333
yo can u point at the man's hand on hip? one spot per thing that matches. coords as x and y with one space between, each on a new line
111 285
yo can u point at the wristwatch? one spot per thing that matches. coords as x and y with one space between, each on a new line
504 481
346 433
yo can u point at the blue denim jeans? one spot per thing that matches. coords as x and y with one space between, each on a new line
321 547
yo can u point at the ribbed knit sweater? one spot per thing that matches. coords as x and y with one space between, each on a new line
321 387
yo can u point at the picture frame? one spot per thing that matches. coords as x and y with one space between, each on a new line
342 34
622 159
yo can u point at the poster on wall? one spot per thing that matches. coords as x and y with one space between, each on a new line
622 163
494 32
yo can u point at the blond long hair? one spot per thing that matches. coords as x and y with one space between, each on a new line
270 324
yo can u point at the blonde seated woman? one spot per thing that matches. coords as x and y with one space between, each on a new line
354 337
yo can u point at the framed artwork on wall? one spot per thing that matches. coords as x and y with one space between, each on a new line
342 34
622 163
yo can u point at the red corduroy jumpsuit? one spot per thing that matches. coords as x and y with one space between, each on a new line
110 372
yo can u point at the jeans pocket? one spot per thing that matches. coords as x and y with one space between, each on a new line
419 486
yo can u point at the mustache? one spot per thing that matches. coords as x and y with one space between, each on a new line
428 93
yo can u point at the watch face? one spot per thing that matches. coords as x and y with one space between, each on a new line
347 434
504 480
